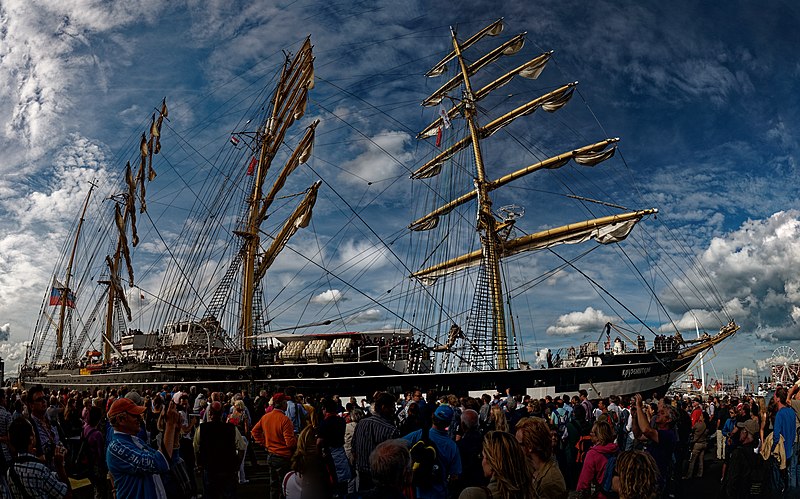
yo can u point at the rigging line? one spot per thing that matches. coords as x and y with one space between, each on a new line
402 125
158 298
347 283
372 231
703 274
379 304
689 283
524 287
176 262
685 279
602 289
652 291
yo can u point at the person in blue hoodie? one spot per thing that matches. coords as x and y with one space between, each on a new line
786 427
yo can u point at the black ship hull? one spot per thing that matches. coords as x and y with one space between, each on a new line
623 374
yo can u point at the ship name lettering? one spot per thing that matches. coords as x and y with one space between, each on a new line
627 373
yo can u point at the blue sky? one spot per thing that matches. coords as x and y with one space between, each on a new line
702 94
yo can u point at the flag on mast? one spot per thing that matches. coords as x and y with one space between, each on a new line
57 293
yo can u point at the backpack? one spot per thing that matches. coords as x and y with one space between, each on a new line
608 477
425 469
583 446
562 418
797 426
622 428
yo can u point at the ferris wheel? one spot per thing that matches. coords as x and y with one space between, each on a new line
785 365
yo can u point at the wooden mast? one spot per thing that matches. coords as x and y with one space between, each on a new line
486 221
251 233
62 312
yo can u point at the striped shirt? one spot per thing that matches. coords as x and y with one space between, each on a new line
5 422
36 478
369 433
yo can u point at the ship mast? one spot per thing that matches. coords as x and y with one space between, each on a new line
62 312
494 234
487 225
288 105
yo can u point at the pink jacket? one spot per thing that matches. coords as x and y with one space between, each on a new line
594 467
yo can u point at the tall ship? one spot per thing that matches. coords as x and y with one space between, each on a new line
215 271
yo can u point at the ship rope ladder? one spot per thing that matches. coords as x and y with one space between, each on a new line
476 351
220 298
258 313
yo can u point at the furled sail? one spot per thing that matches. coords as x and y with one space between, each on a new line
551 102
130 202
531 70
119 292
557 97
300 155
299 219
605 230
510 47
588 156
493 29
144 151
123 241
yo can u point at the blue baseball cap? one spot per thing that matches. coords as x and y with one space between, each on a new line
444 413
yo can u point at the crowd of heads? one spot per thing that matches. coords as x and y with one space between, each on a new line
520 438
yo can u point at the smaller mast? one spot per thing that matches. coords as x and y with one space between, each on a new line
65 291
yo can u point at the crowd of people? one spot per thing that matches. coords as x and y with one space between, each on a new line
184 443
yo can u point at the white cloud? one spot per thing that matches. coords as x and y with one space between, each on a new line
364 317
329 296
757 265
46 55
590 320
362 255
13 355
381 158
746 371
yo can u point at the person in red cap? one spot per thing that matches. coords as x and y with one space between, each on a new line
136 467
276 432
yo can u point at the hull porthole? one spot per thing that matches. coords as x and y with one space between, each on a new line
361 372
299 375
326 374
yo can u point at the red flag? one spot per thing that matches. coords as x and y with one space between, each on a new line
234 140
252 167
439 136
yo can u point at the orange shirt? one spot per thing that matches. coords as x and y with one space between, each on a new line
275 432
